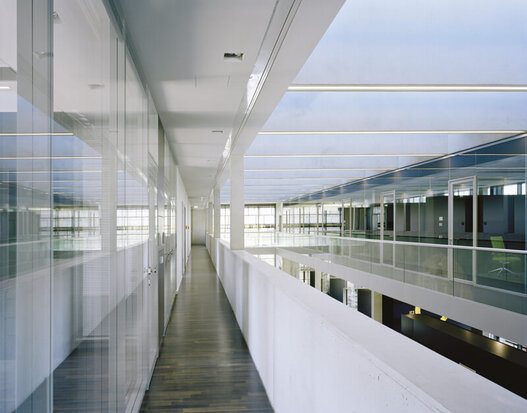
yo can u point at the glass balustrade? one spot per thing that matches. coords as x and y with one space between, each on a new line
491 276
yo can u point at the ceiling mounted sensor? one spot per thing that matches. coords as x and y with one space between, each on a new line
233 57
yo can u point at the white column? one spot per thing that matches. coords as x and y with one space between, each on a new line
318 218
318 280
217 213
210 226
279 224
376 306
322 220
342 218
351 217
237 202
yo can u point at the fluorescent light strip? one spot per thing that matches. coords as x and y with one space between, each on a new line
31 158
407 88
393 132
5 87
36 134
316 169
327 178
48 172
481 168
364 155
287 185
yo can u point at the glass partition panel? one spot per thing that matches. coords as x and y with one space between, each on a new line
26 131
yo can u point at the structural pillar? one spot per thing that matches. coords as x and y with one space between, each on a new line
217 213
376 306
351 218
318 219
322 220
318 280
210 214
237 202
279 216
342 219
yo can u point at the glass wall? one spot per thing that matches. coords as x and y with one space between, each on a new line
473 198
472 205
313 218
87 212
257 218
26 282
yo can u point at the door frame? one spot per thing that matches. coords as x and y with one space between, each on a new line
381 218
473 181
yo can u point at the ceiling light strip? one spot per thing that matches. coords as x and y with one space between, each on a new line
362 155
36 134
316 169
295 178
31 158
392 132
83 171
407 88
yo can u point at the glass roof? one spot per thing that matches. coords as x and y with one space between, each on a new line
392 84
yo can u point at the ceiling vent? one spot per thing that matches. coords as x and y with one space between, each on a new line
233 57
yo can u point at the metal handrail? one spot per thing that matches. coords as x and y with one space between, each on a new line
416 244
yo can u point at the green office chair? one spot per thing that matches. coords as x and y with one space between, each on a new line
503 258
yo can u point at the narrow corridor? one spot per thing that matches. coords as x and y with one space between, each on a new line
204 364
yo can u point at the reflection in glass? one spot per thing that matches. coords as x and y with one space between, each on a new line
79 176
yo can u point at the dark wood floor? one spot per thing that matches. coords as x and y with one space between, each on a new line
204 364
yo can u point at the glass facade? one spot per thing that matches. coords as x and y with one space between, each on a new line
455 224
87 211
257 218
313 218
433 202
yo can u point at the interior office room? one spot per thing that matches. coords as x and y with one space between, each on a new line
277 205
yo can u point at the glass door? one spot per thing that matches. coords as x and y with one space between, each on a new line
151 285
387 216
462 227
387 226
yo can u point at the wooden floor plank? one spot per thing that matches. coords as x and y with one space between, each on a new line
204 364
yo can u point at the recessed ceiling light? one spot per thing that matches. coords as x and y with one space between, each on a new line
5 87
233 56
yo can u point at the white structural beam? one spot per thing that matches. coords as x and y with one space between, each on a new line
217 213
237 201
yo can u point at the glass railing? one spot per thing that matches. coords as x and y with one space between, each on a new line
492 276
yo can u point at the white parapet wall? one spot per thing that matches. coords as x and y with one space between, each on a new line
314 354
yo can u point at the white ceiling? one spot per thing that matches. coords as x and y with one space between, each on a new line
180 45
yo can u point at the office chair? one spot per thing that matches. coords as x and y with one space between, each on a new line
503 258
